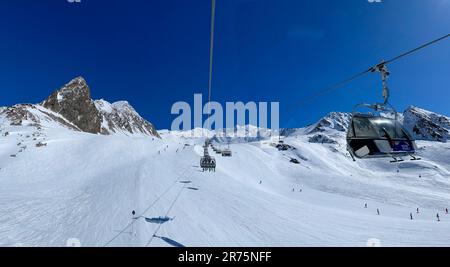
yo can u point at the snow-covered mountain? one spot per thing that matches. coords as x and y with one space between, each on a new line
338 121
121 117
73 101
72 107
58 181
426 125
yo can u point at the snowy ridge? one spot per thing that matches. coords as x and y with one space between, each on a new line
426 125
240 134
121 117
338 121
333 123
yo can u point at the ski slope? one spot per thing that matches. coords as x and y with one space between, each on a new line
85 186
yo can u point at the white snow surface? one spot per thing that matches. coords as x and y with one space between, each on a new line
85 186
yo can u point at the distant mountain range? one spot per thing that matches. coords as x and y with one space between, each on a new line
72 107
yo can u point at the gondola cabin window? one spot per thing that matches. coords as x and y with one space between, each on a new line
363 128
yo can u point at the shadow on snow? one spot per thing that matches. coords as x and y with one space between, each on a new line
170 241
159 220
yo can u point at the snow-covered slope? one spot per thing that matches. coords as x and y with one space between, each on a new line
57 184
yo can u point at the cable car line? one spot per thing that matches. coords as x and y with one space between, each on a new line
206 161
416 49
211 50
371 69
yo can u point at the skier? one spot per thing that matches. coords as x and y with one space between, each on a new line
410 215
446 211
365 206
438 218
260 182
378 211
417 210
133 218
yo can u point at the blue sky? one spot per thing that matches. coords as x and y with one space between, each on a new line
155 52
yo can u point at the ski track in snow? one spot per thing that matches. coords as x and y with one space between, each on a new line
85 186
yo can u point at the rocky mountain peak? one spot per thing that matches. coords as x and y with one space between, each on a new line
73 101
76 88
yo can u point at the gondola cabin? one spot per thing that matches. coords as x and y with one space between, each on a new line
208 163
372 136
227 153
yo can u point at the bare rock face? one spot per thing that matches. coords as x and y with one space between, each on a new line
73 101
33 115
19 113
322 139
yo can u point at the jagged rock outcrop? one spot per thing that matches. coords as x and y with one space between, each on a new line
321 139
19 113
73 101
426 125
34 115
